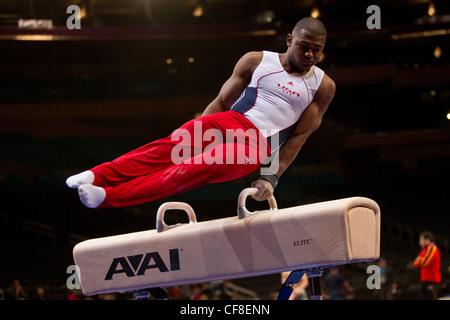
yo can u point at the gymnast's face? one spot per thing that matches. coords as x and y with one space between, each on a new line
305 48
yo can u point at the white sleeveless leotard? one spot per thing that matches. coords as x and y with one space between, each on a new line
274 100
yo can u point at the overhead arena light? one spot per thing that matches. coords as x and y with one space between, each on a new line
420 34
35 23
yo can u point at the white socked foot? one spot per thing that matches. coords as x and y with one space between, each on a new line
85 177
91 196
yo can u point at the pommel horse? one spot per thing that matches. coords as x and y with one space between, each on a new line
301 239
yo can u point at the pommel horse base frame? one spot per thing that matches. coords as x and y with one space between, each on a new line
314 276
303 239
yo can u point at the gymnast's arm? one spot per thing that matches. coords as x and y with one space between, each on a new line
308 123
233 87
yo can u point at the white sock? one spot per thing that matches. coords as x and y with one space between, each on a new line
85 177
91 196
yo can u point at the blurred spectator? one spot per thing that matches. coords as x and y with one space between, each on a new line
429 262
176 293
388 281
335 286
40 294
16 291
200 292
72 295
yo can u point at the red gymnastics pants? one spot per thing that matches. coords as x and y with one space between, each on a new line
210 149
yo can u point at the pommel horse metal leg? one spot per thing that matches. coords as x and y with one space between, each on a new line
315 283
288 286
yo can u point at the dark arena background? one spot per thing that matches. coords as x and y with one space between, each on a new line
135 70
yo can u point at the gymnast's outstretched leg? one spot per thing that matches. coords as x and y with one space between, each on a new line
149 173
177 179
143 161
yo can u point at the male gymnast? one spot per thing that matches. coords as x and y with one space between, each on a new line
267 93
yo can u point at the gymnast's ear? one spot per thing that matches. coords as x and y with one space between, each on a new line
289 39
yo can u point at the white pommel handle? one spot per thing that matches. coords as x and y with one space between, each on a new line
160 224
242 210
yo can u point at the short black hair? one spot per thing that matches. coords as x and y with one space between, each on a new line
313 25
427 235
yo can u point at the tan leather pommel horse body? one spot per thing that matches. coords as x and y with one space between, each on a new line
307 237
